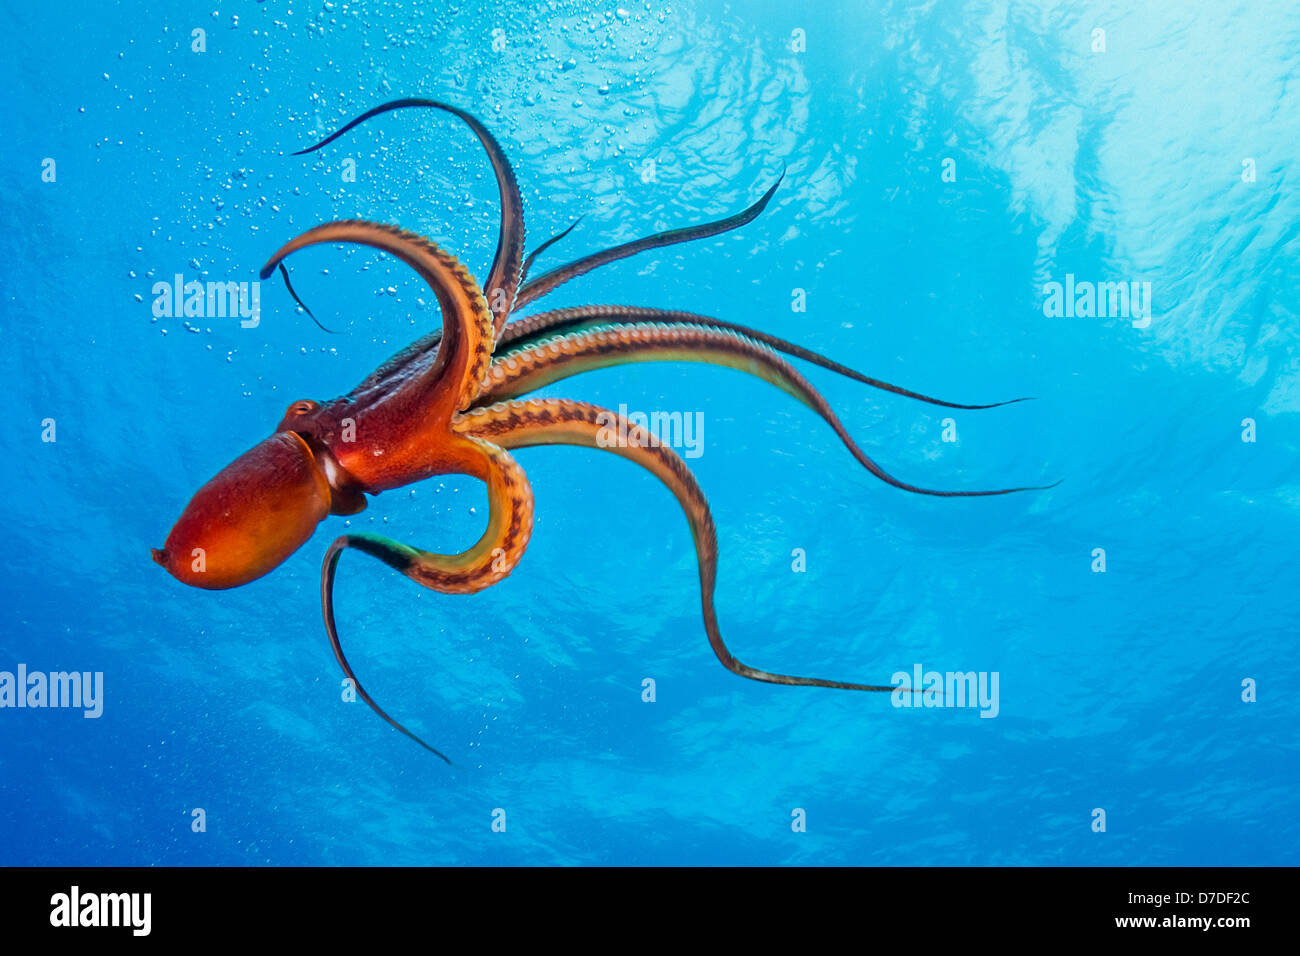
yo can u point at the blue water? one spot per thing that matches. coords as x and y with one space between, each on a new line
1119 690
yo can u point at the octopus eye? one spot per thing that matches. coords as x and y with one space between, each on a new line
303 407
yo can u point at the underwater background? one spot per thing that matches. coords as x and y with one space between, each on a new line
944 161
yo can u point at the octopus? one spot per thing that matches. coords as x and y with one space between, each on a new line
455 402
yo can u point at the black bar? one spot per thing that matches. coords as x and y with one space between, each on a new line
916 905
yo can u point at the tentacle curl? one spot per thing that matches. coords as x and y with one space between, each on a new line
498 551
554 421
506 272
450 382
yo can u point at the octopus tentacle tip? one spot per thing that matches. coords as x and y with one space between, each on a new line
301 304
1009 401
532 256
437 753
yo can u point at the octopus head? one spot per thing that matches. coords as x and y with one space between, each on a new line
253 515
